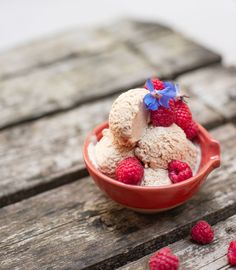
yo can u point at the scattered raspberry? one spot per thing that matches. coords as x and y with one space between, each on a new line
232 253
191 130
202 233
164 117
129 171
158 85
183 115
164 259
179 171
164 250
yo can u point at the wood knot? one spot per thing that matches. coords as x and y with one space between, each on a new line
230 230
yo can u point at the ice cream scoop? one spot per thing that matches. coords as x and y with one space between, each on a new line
128 117
155 199
108 153
157 177
159 145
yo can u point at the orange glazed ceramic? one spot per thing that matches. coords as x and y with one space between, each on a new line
155 199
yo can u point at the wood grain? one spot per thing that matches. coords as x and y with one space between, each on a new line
51 49
174 54
64 72
69 84
214 86
193 256
201 112
76 227
133 31
43 154
46 151
71 44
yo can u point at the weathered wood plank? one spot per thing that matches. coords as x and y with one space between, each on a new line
70 83
43 154
133 31
73 43
47 150
120 60
174 54
193 256
201 112
64 228
52 49
214 86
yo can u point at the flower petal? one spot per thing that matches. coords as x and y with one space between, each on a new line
150 85
164 101
150 102
177 87
169 92
169 84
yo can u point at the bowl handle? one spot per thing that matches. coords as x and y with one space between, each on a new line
214 149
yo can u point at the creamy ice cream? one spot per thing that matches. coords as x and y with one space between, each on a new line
158 177
128 117
159 145
152 138
108 153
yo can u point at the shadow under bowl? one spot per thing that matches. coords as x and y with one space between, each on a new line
155 198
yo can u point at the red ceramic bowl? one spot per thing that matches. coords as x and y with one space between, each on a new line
155 199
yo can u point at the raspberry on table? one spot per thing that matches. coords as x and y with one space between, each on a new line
183 115
158 84
164 259
202 233
191 130
232 253
129 171
179 171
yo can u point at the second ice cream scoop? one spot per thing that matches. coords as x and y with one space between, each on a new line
128 117
108 153
159 145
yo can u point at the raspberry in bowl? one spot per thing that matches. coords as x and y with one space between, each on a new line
151 155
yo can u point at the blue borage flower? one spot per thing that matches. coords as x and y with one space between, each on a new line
157 98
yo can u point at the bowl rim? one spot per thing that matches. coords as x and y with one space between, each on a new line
212 163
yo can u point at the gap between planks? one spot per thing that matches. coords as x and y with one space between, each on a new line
99 97
197 257
49 130
122 66
72 221
55 138
72 44
85 101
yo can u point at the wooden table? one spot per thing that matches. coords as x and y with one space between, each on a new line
52 93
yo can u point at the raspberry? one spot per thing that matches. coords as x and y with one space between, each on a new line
191 130
202 233
158 85
183 115
164 259
129 171
179 171
164 250
232 253
164 117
